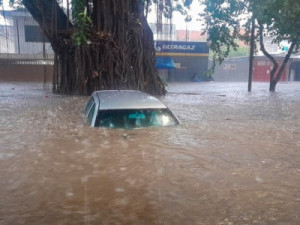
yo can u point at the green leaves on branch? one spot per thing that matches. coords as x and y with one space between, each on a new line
182 6
83 24
13 3
280 19
82 21
229 20
223 26
167 7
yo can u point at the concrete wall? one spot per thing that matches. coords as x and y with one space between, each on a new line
7 44
187 67
237 69
295 70
24 73
14 32
26 70
24 47
233 69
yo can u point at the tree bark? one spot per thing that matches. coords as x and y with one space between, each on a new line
274 82
275 75
273 60
286 59
45 12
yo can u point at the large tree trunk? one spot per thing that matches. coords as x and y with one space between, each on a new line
120 52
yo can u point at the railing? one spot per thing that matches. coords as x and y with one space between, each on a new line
26 62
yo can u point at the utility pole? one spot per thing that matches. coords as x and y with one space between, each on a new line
251 58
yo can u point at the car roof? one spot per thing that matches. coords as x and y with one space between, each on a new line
126 99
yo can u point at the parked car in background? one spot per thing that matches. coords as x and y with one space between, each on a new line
127 109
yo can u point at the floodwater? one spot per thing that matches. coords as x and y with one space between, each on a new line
234 160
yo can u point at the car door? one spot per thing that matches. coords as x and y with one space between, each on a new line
90 110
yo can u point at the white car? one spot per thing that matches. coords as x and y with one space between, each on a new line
127 109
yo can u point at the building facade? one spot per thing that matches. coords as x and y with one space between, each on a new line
190 60
237 69
23 34
22 47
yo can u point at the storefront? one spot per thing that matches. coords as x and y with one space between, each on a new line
262 68
182 61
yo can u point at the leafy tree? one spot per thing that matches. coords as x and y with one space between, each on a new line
277 18
107 45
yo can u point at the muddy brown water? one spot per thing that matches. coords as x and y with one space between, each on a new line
235 159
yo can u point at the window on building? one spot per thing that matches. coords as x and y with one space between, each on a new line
34 34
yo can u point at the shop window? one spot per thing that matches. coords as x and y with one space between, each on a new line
34 34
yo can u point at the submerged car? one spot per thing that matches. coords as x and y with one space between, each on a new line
127 109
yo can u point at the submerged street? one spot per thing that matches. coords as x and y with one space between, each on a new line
234 159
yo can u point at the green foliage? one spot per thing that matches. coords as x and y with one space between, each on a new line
280 19
78 7
225 19
183 6
167 7
241 51
83 23
223 26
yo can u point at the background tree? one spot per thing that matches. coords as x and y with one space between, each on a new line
277 18
107 44
222 26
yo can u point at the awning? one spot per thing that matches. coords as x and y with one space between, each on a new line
164 63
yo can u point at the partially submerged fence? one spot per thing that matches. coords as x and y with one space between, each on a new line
22 69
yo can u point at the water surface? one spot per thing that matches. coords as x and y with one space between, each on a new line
235 159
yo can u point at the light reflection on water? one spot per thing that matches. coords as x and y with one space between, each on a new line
233 160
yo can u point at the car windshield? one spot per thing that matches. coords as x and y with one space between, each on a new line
135 118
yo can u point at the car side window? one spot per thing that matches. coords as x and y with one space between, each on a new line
89 105
91 113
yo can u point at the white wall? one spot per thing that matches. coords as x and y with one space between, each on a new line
12 35
23 47
6 36
6 45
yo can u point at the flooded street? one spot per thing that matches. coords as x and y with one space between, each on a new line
234 160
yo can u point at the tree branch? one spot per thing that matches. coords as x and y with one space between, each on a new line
45 19
267 54
286 59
